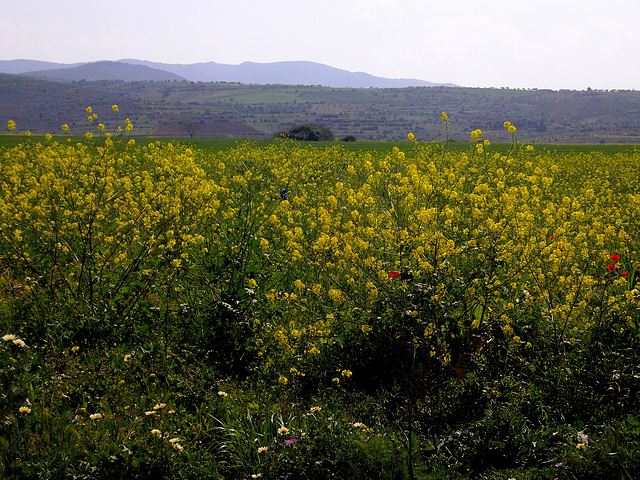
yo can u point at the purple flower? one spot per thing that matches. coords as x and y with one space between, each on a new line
561 464
291 441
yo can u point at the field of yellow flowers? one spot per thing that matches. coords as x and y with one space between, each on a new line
289 311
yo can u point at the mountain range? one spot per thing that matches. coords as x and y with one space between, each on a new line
277 73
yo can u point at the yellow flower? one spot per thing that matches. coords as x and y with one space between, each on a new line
283 380
444 117
101 127
11 125
580 446
506 124
411 137
95 416
75 349
256 475
155 431
88 110
346 373
48 137
115 108
336 380
25 410
160 406
512 129
475 134
65 128
89 135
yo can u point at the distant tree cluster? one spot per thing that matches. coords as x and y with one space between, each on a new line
310 132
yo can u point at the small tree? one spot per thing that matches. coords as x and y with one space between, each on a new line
191 128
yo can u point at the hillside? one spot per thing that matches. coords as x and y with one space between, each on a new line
283 73
106 71
257 111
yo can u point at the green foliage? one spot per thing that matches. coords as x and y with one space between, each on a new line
309 132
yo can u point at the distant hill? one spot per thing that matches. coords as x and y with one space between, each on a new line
283 73
106 71
280 73
21 66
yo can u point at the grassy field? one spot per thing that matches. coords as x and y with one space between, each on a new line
215 144
214 308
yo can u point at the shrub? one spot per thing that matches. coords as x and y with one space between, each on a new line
310 132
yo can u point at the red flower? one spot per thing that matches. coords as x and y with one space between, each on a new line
614 258
611 267
394 274
624 274
552 238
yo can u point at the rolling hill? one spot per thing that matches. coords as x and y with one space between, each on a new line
106 71
238 110
283 73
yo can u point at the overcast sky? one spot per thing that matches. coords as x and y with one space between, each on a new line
554 44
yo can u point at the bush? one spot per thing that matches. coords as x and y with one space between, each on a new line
310 132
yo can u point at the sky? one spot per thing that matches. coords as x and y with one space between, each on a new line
556 44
